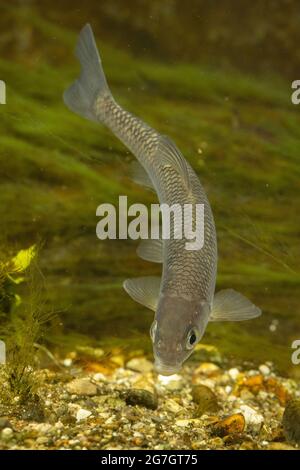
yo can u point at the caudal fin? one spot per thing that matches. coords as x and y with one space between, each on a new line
81 95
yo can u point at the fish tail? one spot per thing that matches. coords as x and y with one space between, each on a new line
81 96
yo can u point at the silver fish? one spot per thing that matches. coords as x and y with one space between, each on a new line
183 298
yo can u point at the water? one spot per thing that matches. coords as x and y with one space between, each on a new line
232 119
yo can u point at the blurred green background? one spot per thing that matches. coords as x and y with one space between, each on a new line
214 76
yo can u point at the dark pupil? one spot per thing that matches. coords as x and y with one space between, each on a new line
192 338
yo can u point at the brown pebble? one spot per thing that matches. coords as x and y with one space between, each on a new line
291 420
206 400
233 424
141 398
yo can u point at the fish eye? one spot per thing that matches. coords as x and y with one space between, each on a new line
192 338
153 330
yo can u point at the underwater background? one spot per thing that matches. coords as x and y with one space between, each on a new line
214 76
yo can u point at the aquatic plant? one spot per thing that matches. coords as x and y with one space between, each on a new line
22 322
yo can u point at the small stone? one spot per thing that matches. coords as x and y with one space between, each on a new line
42 440
82 387
253 419
173 406
280 446
140 364
118 360
205 399
246 394
43 428
274 386
208 368
141 398
90 353
82 414
291 420
6 434
68 420
144 383
216 443
264 369
234 424
99 377
233 373
248 445
207 353
254 383
67 362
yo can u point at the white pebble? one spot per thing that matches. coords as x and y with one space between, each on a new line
82 414
99 377
264 370
234 372
228 389
67 362
6 434
253 419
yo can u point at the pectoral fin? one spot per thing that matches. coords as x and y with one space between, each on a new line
229 305
151 250
144 290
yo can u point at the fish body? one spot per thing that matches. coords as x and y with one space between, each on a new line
183 299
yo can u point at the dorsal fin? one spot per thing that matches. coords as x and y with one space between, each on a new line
169 154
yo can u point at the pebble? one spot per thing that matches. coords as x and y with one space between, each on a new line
140 364
141 398
264 369
233 424
82 414
67 362
173 406
233 373
280 446
42 440
82 387
291 420
253 419
246 394
208 368
99 377
6 434
206 400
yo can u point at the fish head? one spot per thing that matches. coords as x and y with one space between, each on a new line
178 326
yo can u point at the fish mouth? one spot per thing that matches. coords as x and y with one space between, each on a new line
166 369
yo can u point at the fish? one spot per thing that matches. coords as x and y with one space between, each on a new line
183 298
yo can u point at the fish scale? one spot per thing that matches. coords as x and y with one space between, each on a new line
186 273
